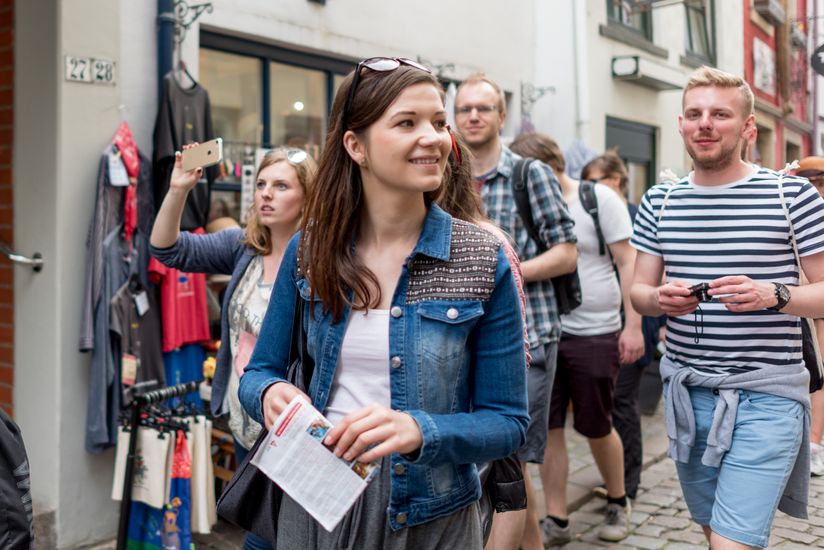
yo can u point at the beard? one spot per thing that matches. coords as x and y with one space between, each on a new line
724 158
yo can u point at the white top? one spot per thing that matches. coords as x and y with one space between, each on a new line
707 232
600 309
362 373
247 308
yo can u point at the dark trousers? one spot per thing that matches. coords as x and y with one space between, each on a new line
626 418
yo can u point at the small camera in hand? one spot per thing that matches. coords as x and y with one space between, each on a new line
701 291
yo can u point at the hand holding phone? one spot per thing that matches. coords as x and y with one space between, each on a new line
203 155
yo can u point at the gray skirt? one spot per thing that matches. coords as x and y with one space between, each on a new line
366 527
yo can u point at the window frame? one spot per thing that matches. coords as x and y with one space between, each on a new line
266 53
615 14
707 9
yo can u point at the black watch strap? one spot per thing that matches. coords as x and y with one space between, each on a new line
782 294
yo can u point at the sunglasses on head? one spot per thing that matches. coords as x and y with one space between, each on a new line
293 155
380 64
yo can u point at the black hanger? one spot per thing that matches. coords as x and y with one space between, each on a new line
182 69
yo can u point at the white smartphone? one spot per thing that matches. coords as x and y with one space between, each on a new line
203 155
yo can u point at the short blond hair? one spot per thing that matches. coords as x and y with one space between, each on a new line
715 78
479 78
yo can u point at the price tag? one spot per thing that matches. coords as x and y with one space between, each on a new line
117 171
141 303
128 369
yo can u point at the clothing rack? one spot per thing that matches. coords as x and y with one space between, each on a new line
139 401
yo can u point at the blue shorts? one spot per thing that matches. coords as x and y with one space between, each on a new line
738 500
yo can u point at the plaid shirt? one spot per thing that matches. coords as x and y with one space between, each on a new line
553 222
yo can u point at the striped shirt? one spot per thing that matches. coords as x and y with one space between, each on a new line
735 229
553 222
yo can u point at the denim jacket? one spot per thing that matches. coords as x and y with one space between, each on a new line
221 252
456 362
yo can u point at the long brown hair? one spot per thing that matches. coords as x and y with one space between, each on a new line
334 203
257 235
460 199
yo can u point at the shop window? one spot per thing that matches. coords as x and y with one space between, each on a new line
297 104
262 96
699 16
632 17
235 91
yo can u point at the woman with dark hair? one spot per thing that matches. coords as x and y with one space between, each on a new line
252 257
411 316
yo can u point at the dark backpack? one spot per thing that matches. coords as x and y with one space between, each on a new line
567 286
16 530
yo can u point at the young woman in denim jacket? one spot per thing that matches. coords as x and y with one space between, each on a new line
252 257
412 318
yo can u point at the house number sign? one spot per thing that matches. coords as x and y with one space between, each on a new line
89 70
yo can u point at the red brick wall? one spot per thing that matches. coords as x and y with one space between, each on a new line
6 203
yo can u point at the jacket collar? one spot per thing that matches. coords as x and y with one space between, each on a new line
436 236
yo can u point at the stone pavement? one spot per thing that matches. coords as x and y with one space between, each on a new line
659 520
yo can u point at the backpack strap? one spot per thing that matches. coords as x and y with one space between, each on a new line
586 194
520 192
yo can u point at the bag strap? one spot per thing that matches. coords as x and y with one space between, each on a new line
298 347
520 192
586 194
802 278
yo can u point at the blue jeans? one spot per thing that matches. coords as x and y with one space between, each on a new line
252 542
738 500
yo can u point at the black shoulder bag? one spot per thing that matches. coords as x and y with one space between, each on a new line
567 286
251 500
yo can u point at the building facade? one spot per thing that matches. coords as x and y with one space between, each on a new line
271 68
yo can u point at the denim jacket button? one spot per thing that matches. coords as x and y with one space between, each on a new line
399 469
396 312
452 313
401 518
395 362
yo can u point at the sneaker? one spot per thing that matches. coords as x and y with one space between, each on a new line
616 523
600 491
552 534
816 460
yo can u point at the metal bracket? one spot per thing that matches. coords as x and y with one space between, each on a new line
185 15
437 68
530 94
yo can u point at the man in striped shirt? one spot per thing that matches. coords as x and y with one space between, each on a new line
737 408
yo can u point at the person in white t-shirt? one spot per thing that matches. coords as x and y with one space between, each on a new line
592 348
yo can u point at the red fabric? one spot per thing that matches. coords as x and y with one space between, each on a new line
183 305
128 150
124 141
182 461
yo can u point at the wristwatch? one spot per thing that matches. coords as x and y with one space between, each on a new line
782 294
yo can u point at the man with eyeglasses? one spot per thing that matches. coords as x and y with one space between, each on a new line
480 113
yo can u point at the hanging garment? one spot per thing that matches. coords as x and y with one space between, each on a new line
153 460
185 365
177 522
184 116
183 304
135 324
204 514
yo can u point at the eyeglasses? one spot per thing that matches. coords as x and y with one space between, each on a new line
380 64
294 155
482 109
